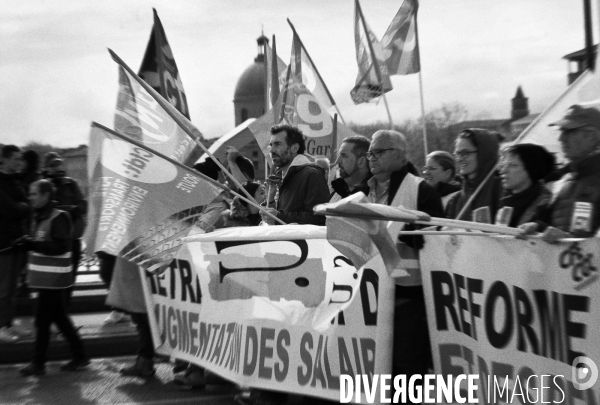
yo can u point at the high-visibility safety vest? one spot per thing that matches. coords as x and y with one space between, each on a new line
44 271
406 196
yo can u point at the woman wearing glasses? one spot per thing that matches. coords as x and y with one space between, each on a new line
476 153
440 172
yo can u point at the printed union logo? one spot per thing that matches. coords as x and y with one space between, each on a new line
584 373
136 163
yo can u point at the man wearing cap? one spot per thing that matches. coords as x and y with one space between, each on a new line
68 197
575 209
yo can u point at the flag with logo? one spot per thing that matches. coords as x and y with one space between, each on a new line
143 115
373 78
141 202
160 71
400 45
298 106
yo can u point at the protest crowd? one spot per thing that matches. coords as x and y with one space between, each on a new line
518 187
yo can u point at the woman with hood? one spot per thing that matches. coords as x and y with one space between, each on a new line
476 153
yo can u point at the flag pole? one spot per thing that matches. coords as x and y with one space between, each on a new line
168 109
317 71
421 90
265 61
334 138
375 64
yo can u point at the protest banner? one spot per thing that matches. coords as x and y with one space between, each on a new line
521 314
141 203
275 308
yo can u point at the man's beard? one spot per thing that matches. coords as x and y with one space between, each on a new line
343 173
284 159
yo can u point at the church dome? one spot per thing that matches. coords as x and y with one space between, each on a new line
252 82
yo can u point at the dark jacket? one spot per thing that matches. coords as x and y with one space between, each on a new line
581 185
527 203
303 187
444 189
14 211
69 198
491 192
341 188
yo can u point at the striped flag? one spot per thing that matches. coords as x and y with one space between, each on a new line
373 78
159 70
400 45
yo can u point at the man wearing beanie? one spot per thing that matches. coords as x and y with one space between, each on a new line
575 209
68 197
523 168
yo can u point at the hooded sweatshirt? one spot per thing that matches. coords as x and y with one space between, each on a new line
302 187
488 146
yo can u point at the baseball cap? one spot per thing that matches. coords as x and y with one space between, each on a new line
578 116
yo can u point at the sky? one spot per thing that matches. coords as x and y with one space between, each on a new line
56 75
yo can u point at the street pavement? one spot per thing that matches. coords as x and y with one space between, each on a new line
101 383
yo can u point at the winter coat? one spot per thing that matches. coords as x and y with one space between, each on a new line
302 187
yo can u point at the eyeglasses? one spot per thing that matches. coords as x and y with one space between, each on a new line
377 153
463 153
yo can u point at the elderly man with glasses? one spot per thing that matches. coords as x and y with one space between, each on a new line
395 182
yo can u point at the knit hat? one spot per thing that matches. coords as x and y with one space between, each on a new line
538 162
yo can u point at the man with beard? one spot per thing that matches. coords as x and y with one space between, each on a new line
353 168
303 183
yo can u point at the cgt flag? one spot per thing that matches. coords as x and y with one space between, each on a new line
160 71
145 116
400 45
298 106
373 78
141 202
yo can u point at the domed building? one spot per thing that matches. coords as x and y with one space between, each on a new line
249 102
249 96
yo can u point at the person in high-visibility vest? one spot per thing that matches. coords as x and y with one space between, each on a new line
49 271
